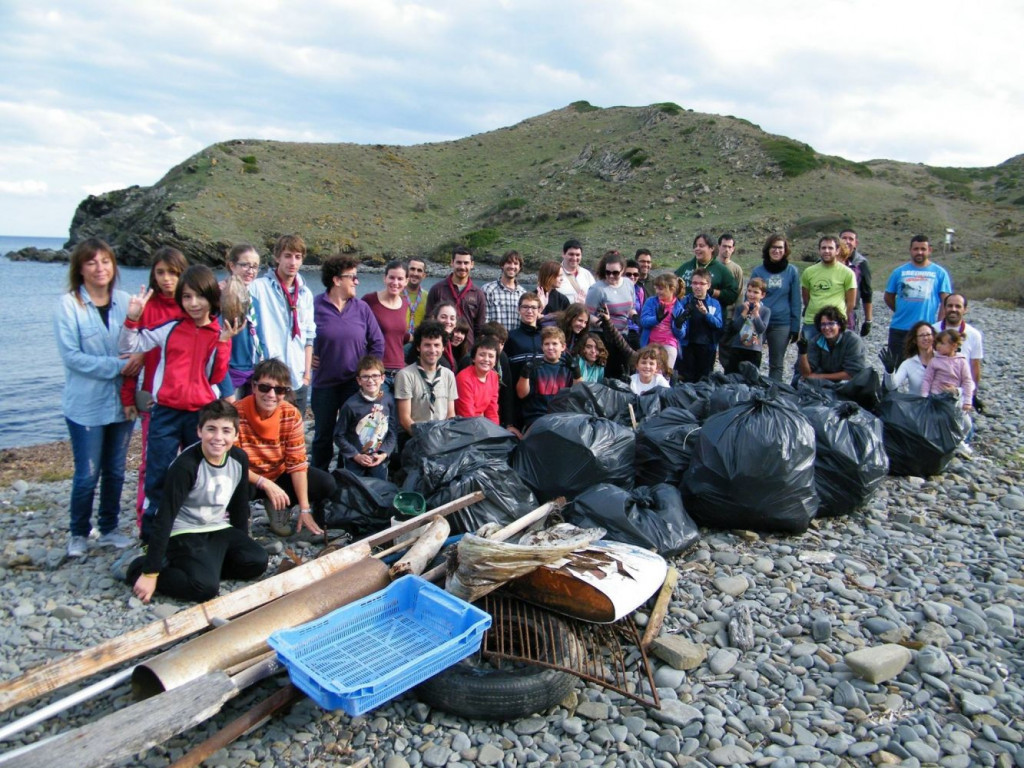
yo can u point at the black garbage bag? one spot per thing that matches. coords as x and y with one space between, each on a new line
863 388
730 394
444 440
507 496
753 468
850 460
561 454
921 433
610 400
652 518
664 444
814 392
694 396
360 505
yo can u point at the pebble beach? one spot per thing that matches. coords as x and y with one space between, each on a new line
891 636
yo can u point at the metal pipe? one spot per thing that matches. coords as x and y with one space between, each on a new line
246 636
56 707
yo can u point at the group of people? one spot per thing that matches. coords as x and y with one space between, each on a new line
234 365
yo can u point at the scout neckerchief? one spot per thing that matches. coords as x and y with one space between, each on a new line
293 301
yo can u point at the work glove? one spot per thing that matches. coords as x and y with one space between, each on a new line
801 346
978 405
660 313
865 328
574 367
527 369
679 320
888 359
793 337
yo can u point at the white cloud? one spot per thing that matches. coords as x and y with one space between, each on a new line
122 90
24 188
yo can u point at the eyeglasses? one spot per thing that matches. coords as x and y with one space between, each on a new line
529 308
925 335
370 377
354 278
777 248
248 267
613 272
829 324
633 275
268 388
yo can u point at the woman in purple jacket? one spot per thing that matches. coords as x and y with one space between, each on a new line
346 331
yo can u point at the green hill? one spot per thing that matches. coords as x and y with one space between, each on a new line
618 177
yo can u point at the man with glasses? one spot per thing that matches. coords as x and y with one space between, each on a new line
829 283
632 274
503 294
425 390
270 432
835 354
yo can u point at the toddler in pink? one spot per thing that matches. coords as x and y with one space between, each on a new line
948 369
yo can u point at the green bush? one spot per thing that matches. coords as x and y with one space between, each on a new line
688 130
481 238
636 157
668 107
249 159
792 157
584 106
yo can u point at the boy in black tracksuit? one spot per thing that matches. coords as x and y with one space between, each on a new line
200 533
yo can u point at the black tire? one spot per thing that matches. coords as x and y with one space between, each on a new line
475 689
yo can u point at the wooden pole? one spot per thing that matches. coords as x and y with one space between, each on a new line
90 661
423 551
657 617
249 721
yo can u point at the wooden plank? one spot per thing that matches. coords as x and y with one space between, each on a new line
133 729
90 661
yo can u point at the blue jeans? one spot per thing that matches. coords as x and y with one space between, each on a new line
170 430
326 402
99 455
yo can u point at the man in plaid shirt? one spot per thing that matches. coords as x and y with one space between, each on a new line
503 294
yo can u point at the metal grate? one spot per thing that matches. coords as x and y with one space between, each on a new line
609 655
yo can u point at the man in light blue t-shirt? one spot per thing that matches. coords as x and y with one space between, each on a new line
914 293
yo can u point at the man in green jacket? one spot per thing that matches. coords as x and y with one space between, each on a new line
723 284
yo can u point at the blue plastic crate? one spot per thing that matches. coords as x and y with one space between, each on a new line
366 653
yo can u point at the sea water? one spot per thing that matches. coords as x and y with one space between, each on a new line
31 372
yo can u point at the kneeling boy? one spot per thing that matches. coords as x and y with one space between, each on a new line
200 534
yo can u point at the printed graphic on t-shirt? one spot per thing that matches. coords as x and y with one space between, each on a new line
774 282
372 429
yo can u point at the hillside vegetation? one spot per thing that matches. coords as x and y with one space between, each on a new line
616 177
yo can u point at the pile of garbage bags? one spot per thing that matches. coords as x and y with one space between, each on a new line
732 451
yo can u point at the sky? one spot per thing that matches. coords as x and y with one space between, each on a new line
97 96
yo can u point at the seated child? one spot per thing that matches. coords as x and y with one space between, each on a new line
651 367
478 384
367 430
662 318
539 381
199 533
749 322
702 328
949 369
593 357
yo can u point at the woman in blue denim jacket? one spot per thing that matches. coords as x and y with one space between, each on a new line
87 325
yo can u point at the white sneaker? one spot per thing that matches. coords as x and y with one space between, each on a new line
115 539
78 546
